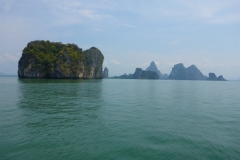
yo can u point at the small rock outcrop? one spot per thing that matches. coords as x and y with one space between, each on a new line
179 72
45 59
105 73
213 77
154 68
220 78
140 74
165 76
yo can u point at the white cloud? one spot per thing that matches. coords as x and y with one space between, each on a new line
227 18
4 58
145 64
208 63
74 12
215 11
88 13
115 62
129 25
9 63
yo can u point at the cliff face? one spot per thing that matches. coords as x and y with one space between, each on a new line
105 73
212 77
194 73
94 60
179 72
44 59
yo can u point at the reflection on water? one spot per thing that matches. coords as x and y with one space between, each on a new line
52 96
67 97
50 108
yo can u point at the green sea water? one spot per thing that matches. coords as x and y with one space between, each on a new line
119 119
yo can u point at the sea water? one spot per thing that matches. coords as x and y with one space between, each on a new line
119 119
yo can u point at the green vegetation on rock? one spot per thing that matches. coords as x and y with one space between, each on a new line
45 59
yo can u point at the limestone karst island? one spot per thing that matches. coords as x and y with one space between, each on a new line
179 72
45 59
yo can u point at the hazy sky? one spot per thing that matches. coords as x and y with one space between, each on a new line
130 33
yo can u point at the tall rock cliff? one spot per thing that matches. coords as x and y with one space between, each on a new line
45 59
105 73
154 68
179 72
94 60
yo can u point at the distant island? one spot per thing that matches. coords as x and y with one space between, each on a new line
45 59
7 75
213 77
151 72
179 72
154 68
2 74
105 73
139 74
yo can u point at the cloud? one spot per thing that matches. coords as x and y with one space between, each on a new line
129 25
87 13
208 63
74 12
215 11
145 64
4 58
9 63
227 18
115 62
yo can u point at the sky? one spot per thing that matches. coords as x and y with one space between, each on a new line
129 33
